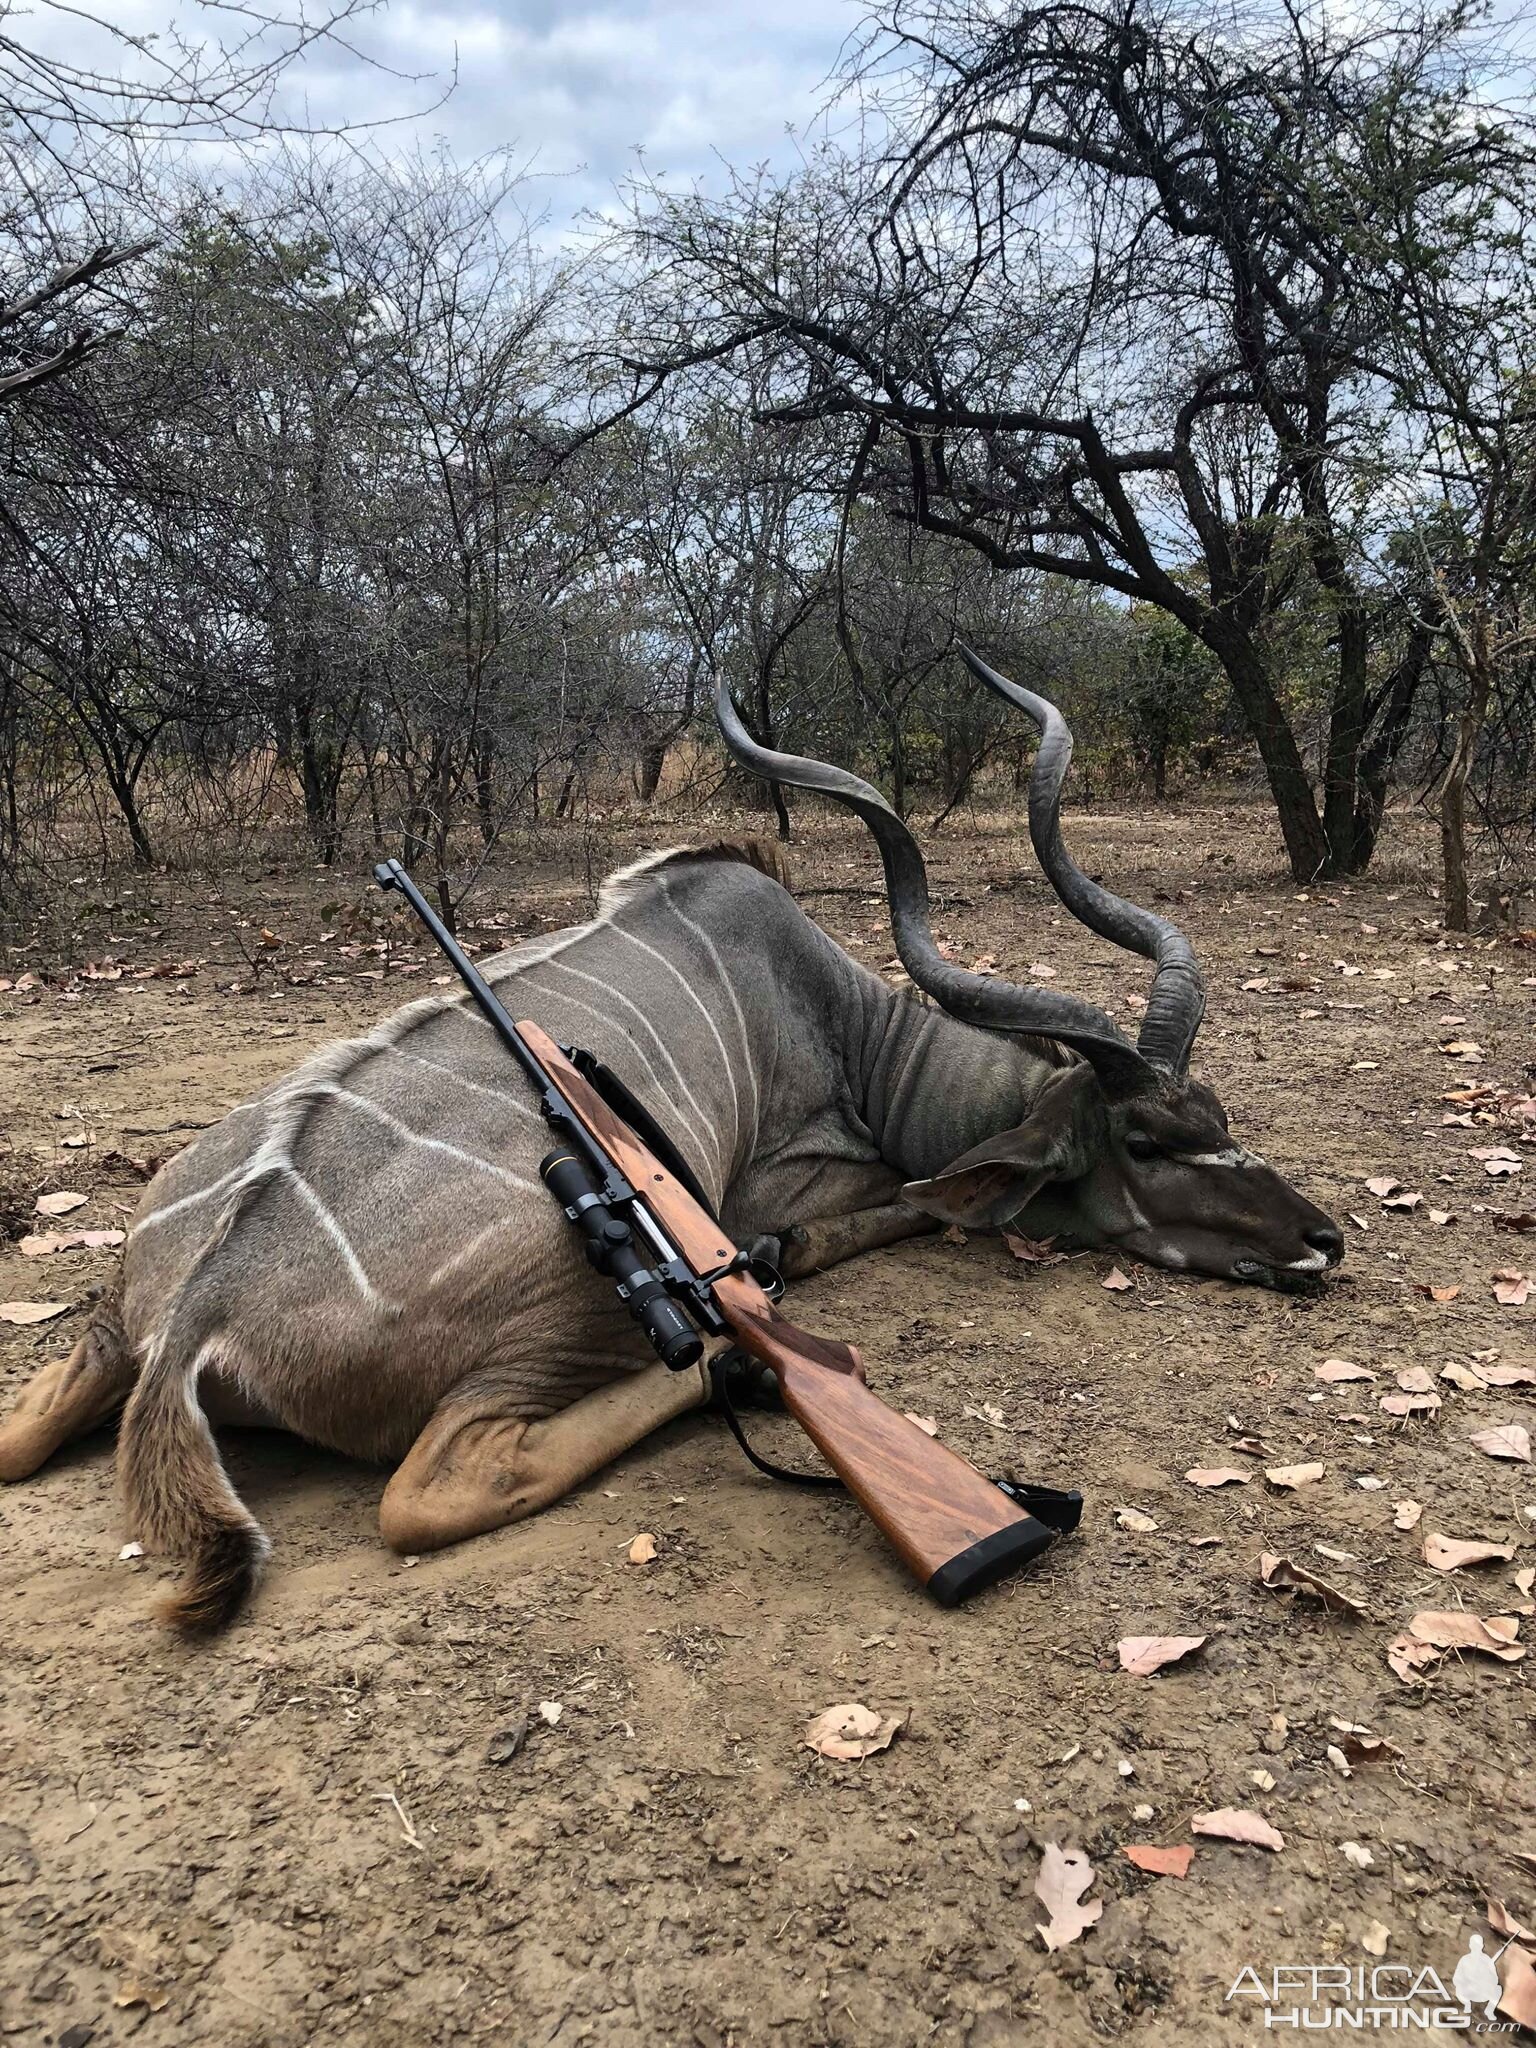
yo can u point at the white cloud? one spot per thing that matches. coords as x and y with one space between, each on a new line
577 88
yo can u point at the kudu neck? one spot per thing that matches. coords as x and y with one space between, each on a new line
934 1087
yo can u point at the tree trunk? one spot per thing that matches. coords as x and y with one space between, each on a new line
1380 755
485 786
766 734
653 759
1305 840
1347 720
1453 788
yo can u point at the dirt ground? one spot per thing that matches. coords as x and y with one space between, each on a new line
295 1834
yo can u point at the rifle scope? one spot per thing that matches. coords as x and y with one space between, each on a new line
611 1247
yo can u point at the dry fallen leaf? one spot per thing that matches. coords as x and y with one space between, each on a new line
1463 1376
1508 1375
925 1423
1508 1440
1402 1201
1456 1630
1217 1475
1030 1251
1281 1575
1502 1921
1293 1475
1360 1746
1065 1874
1408 1656
141 1994
61 1204
1413 1379
32 1311
550 1711
1171 1862
1519 2000
1116 1281
69 1241
1133 1518
1407 1515
1356 1853
642 1550
1410 1404
1382 1186
987 1411
1447 1554
1231 1824
1513 1289
1375 1938
1342 1369
1142 1655
850 1732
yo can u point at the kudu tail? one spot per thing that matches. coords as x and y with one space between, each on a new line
178 1494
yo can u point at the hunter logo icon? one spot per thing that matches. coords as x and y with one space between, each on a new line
1476 1979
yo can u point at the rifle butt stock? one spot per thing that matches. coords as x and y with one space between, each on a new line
955 1530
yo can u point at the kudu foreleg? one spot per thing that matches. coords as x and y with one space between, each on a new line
812 1247
477 1466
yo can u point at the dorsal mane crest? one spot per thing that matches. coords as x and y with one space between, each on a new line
619 887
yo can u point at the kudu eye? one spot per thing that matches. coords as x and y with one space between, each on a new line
1140 1146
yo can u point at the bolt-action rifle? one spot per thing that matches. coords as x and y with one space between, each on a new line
648 1227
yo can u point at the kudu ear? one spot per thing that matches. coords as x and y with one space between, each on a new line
1059 1140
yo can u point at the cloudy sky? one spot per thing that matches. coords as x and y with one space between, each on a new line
575 86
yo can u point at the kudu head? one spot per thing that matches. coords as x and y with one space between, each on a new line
1120 1146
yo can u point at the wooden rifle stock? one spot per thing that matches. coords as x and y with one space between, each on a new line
955 1530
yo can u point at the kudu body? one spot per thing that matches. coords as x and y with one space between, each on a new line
364 1255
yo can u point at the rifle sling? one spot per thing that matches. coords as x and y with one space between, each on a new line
633 1111
719 1372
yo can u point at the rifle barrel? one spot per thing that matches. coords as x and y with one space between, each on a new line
389 874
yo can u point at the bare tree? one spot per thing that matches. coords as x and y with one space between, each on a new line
1097 248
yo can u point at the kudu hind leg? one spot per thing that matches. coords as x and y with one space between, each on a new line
69 1397
476 1466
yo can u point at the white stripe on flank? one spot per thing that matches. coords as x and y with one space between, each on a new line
725 1059
675 1108
466 1252
214 1187
337 1235
479 1087
727 984
661 1045
373 1109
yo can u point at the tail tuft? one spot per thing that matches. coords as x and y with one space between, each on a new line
225 1568
178 1494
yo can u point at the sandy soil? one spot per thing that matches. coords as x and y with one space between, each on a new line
295 1834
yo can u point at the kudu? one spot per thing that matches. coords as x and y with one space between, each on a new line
363 1254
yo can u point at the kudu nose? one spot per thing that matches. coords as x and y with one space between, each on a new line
1326 1238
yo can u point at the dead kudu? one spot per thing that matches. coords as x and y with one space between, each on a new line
363 1254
